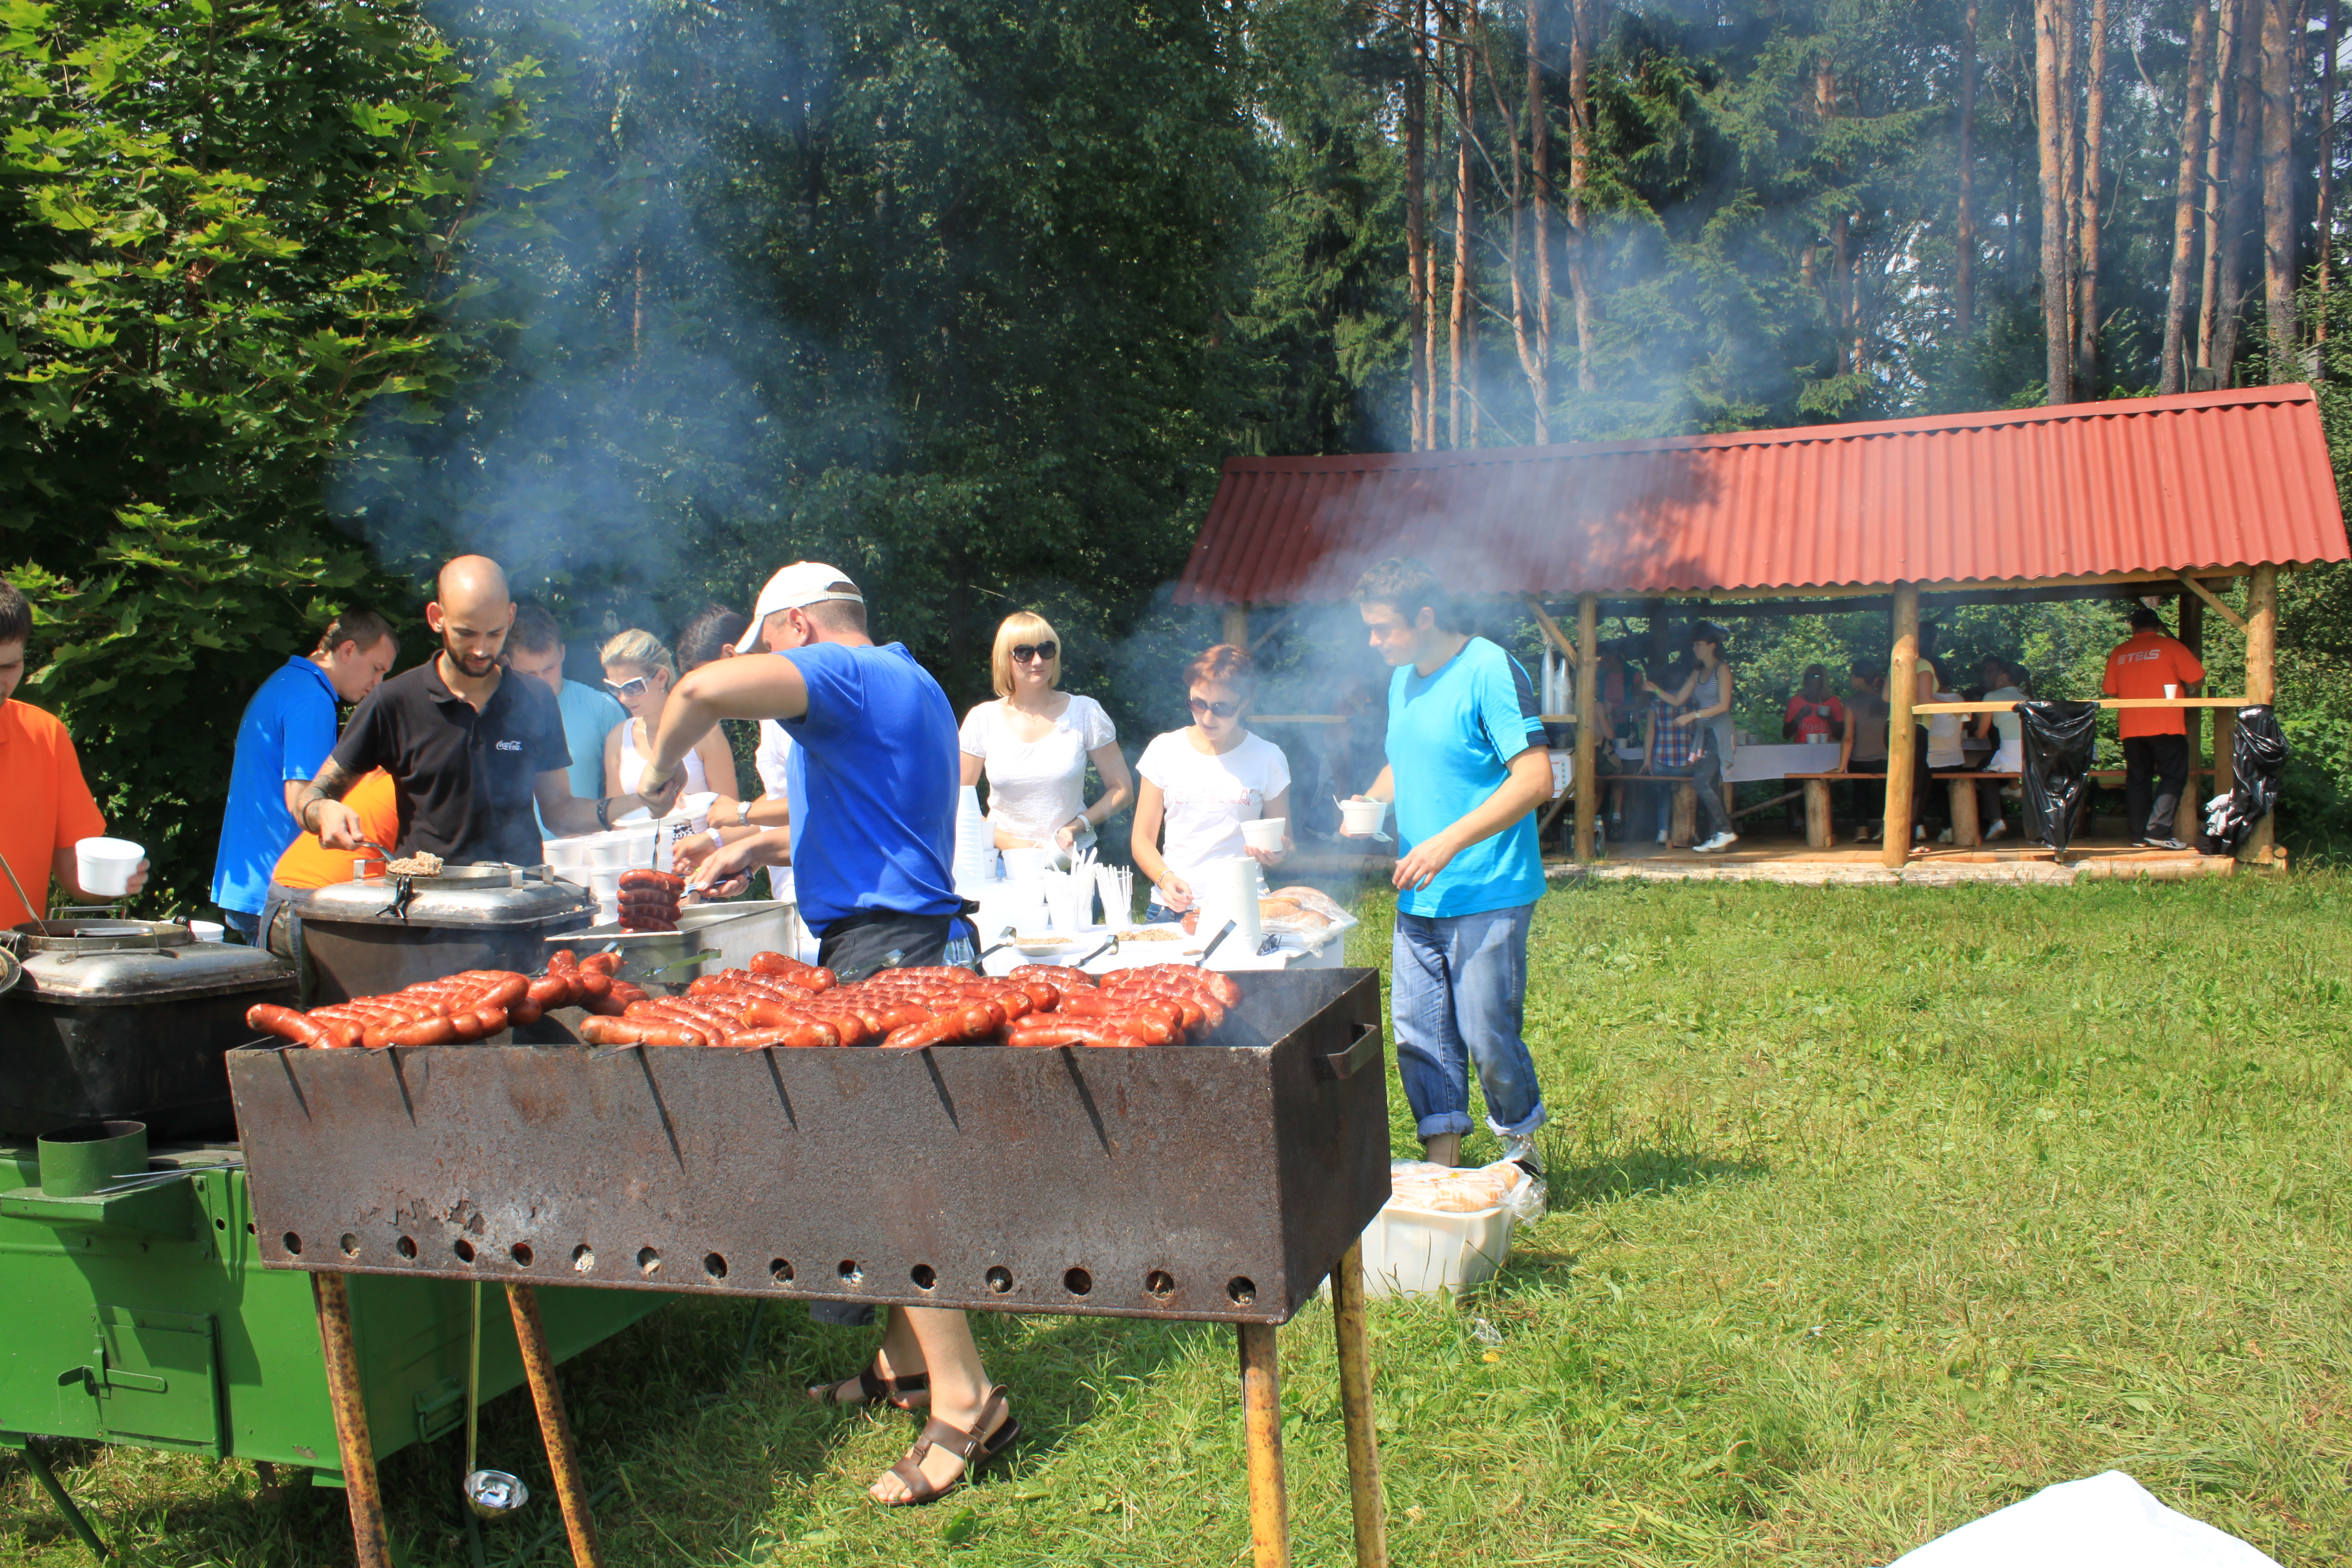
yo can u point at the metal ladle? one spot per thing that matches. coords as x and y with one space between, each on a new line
491 1494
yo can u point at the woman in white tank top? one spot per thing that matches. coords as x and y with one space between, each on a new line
639 672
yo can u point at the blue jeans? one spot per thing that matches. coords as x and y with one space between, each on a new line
245 925
1457 993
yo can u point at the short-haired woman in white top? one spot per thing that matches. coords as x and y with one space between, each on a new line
1034 743
1202 783
638 671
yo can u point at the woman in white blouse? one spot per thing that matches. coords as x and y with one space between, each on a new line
1034 741
1200 784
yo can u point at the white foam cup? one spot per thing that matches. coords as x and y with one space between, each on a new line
206 930
104 865
2170 690
1027 864
1266 833
1363 817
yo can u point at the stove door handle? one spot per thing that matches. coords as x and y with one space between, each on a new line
1362 1049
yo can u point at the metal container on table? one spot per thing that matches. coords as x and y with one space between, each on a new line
126 1020
668 960
1223 1180
368 937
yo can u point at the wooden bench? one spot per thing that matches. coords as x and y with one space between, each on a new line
1967 832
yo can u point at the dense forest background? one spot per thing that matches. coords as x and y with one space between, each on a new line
971 297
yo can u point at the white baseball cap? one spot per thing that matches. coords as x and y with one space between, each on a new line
796 587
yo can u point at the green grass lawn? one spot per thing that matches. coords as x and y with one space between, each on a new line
1873 1211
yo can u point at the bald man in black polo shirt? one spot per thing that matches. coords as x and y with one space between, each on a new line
470 745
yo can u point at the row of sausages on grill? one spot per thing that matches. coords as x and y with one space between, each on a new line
779 1001
462 1007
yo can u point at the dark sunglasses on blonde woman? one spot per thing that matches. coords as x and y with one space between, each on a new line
1222 709
1028 651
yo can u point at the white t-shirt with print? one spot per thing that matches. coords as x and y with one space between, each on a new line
1209 796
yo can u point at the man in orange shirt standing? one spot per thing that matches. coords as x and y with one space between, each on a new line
45 803
2155 740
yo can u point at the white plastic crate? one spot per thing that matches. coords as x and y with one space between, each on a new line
1416 1252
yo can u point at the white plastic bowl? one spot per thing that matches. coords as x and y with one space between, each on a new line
1028 864
1045 946
104 865
1266 833
564 853
207 931
609 851
1363 816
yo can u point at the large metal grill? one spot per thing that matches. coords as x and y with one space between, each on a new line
1221 1180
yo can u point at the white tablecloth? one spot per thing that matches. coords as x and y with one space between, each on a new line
1777 760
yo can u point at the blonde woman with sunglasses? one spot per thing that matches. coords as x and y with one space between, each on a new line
1034 741
1200 784
639 673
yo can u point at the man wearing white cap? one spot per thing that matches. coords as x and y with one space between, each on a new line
874 770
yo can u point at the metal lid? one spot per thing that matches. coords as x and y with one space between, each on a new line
477 895
134 961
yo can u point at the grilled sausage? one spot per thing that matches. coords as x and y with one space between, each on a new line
1068 979
550 991
800 1038
667 881
287 1024
607 963
1071 1032
431 1031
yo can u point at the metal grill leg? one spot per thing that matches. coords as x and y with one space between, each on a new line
1356 1408
370 1544
1262 1430
539 1365
30 1447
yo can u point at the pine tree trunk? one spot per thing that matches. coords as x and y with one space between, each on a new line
2094 116
1539 221
2217 120
2049 25
2326 225
1465 111
2174 376
2238 209
2281 31
1964 237
1415 217
1581 257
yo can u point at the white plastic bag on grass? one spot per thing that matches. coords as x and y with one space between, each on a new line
2109 1520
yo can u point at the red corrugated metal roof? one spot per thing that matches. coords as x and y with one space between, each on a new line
2207 479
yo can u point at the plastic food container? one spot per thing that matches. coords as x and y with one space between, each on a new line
1266 833
1420 1252
104 865
1363 816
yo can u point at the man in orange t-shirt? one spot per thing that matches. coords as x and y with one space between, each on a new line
47 805
307 863
2155 740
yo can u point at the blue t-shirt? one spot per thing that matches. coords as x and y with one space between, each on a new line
589 715
1451 738
287 732
874 784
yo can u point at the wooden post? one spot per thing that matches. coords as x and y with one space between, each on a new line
1237 624
1262 1433
1682 829
2261 684
1901 745
1356 1409
1819 832
1967 831
2193 638
1588 722
539 1366
370 1545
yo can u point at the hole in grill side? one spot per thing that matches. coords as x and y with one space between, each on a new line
924 1276
293 1244
220 1224
405 1247
849 1271
464 1249
521 1253
714 1266
1160 1282
648 1261
1241 1290
1000 1280
350 1244
1078 1282
583 1258
780 1271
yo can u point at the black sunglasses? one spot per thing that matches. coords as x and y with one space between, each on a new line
1028 651
1222 709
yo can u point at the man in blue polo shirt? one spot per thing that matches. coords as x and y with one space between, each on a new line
287 732
1467 769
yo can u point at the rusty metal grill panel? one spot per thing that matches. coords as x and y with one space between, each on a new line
1215 1181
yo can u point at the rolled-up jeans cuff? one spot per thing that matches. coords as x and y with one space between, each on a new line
1526 1124
1443 1122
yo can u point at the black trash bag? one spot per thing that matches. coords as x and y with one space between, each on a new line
2059 739
2256 759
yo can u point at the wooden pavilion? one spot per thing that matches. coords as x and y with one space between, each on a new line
2133 497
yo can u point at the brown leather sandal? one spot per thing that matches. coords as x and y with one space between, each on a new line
974 1451
912 1392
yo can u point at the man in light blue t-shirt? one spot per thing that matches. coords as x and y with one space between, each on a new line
1467 768
535 651
286 730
